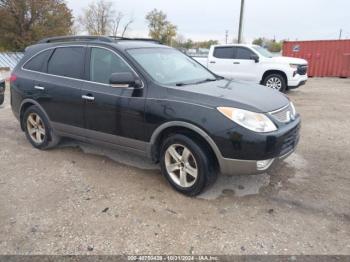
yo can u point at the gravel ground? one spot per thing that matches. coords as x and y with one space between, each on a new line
81 199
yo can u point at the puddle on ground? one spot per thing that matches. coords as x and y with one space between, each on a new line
238 186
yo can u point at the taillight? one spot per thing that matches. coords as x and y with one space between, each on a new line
12 78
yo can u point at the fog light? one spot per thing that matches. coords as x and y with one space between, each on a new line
264 164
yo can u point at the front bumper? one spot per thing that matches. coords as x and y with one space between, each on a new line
297 81
245 153
248 167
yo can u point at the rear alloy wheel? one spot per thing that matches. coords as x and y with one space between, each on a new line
187 164
275 81
38 130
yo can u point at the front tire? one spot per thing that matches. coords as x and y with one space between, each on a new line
2 98
275 81
187 165
38 129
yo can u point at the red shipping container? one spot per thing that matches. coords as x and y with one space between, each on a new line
325 57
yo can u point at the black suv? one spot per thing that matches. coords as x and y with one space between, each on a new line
153 100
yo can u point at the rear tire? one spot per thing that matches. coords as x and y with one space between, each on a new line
187 165
38 129
2 98
275 81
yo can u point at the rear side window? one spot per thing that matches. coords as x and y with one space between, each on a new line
67 61
104 63
37 63
244 53
223 52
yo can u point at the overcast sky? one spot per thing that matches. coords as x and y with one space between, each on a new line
201 20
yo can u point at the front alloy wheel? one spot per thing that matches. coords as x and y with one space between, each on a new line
181 165
187 164
275 81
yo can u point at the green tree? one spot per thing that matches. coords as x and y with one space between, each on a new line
270 44
160 28
259 41
23 22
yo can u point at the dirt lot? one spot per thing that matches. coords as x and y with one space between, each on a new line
80 199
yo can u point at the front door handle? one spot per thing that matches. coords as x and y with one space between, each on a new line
212 62
236 63
39 87
89 98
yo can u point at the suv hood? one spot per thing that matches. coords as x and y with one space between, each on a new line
288 60
230 93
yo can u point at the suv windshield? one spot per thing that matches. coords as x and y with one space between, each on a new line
262 51
171 67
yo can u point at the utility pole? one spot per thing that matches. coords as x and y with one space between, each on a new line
226 36
241 22
340 33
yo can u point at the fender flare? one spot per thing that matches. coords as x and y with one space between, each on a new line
190 126
31 101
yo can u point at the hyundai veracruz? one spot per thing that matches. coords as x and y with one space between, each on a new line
148 98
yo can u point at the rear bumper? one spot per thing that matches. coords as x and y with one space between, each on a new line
2 91
2 87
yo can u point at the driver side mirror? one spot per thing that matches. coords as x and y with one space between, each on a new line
255 58
125 80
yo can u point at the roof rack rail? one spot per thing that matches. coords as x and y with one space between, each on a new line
75 38
116 38
108 39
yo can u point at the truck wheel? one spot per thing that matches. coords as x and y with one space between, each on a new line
275 81
38 129
187 165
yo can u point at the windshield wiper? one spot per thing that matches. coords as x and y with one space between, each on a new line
206 80
183 84
197 83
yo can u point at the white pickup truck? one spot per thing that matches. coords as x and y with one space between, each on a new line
256 64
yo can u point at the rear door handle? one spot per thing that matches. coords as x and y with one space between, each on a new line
39 87
236 63
89 98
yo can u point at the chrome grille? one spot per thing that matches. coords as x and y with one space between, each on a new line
284 115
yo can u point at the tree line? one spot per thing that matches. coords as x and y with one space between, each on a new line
24 22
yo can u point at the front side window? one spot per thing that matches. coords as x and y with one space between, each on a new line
67 61
37 63
104 63
226 52
244 53
170 66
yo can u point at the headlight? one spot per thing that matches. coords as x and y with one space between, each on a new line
253 121
294 66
